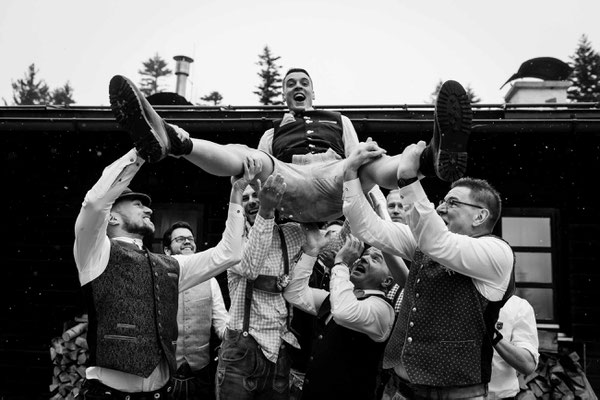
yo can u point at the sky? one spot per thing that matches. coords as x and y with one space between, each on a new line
367 52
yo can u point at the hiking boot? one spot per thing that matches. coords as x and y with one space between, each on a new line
154 139
446 153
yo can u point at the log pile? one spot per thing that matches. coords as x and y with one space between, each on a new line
69 354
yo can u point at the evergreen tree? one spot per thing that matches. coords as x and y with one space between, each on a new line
586 73
214 97
62 95
154 69
473 98
270 88
29 91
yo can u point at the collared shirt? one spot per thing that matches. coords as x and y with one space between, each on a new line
262 255
372 316
349 137
517 324
487 260
92 250
396 290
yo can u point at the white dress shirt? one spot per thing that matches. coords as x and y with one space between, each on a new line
487 259
518 326
372 316
92 251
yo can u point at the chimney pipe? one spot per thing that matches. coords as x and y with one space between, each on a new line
182 70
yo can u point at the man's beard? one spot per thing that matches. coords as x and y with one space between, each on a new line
141 229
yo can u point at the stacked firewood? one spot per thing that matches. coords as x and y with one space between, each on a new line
69 354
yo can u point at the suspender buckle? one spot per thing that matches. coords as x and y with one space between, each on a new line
283 280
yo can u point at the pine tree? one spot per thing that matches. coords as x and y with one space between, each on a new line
586 73
154 69
62 95
214 97
471 95
28 91
270 88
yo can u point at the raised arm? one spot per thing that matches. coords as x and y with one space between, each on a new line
92 247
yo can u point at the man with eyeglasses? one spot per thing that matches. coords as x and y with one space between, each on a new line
200 308
459 278
132 293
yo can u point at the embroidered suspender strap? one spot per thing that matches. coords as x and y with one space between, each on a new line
284 279
282 282
247 304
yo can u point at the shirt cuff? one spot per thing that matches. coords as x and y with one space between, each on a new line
352 188
412 193
261 224
235 208
341 271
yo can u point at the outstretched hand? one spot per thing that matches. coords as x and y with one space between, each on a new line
270 194
350 251
364 153
252 167
408 166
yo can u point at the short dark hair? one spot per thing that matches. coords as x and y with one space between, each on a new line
292 70
483 192
167 235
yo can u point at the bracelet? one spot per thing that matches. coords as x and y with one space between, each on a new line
497 337
405 182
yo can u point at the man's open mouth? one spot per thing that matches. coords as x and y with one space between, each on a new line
360 269
299 96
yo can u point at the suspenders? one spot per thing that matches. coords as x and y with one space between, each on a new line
268 283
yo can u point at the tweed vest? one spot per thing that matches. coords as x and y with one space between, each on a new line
447 326
132 310
314 132
344 363
194 318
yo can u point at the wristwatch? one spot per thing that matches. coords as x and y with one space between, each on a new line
405 182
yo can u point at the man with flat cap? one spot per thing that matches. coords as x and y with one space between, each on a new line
132 293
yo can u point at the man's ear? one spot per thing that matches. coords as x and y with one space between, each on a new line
387 282
481 217
167 251
113 220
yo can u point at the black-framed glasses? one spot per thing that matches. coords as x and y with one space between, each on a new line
452 202
182 239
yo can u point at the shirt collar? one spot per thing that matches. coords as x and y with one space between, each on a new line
360 293
138 242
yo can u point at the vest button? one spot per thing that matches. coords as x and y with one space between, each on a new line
418 280
320 337
309 131
414 309
409 340
411 324
417 295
